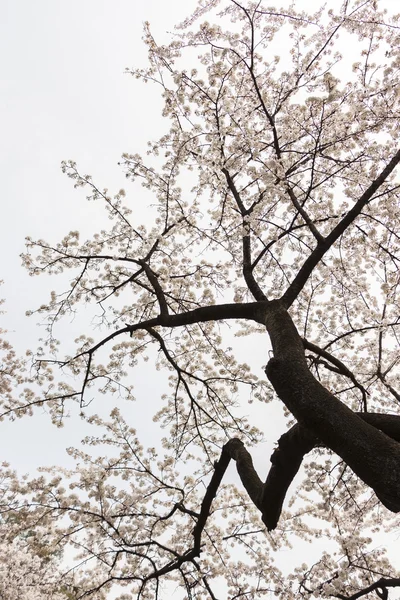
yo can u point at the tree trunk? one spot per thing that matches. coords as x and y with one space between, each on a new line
371 454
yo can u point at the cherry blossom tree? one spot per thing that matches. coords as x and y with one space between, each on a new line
273 213
29 565
29 571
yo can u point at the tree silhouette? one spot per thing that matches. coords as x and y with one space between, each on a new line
275 204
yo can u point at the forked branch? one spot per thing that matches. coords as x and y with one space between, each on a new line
286 460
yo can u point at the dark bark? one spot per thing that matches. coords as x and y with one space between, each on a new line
379 587
286 461
287 458
369 452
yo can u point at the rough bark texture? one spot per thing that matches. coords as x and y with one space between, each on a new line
370 453
286 461
287 458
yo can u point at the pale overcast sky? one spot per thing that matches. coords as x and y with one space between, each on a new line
64 94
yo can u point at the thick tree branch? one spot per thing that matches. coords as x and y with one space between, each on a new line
371 454
286 461
245 468
217 312
252 311
380 587
219 471
314 258
287 458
